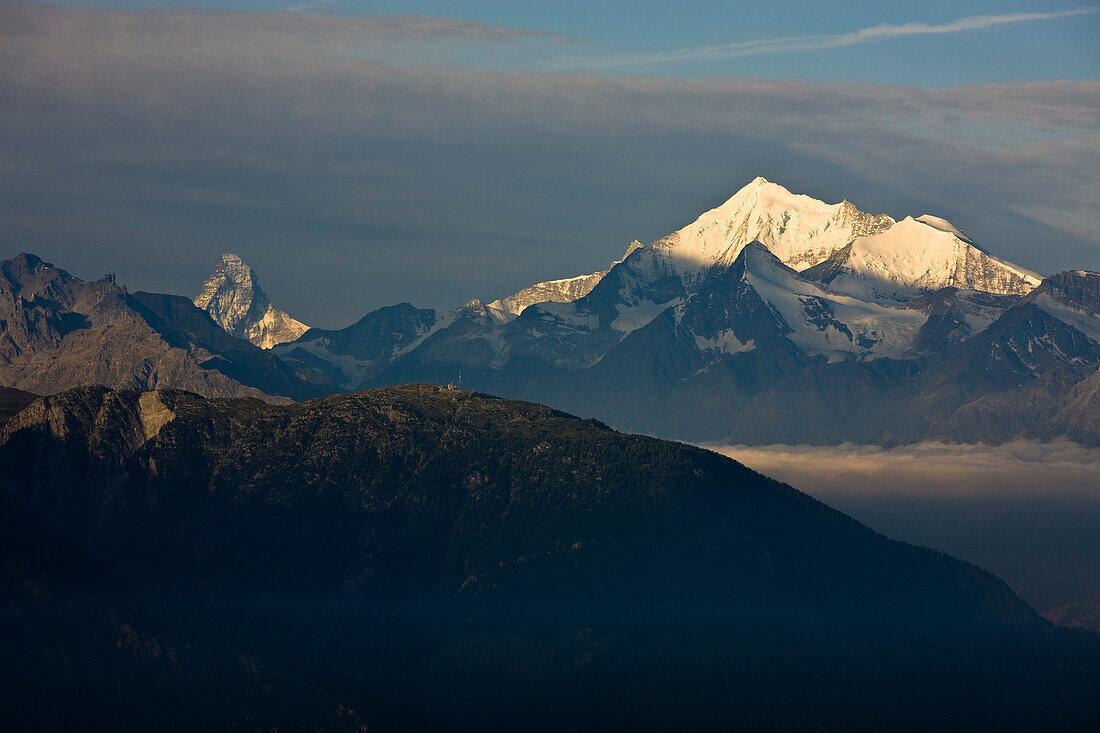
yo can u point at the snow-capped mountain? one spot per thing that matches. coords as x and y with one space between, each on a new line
234 299
766 319
828 324
848 303
917 256
801 231
354 354
850 252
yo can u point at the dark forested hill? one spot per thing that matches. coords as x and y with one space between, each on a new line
432 558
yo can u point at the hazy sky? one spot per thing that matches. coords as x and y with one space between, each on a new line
363 153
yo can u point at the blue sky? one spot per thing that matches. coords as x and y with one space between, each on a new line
363 153
617 37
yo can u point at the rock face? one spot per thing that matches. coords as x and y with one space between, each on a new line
58 331
234 299
437 556
557 291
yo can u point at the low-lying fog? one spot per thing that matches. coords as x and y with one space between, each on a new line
1021 468
1027 511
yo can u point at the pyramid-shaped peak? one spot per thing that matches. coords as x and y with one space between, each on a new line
233 265
764 197
760 185
757 249
233 273
234 299
230 258
756 258
756 254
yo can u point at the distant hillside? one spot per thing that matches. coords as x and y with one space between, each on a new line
1081 615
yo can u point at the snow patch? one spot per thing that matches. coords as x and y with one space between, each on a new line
943 225
724 342
1085 322
824 323
633 317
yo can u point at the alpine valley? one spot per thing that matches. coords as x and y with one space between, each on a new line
763 321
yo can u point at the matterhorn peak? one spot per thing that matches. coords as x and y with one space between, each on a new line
234 299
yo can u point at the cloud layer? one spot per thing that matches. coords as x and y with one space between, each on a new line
350 177
820 42
931 470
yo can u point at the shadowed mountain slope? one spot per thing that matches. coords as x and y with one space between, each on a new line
447 559
12 401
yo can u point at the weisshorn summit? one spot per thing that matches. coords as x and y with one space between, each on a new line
765 320
774 317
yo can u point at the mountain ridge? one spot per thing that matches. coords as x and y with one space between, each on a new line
58 331
441 557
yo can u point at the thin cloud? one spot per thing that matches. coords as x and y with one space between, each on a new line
311 23
820 42
1019 468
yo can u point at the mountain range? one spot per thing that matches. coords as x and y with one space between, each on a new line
764 321
57 330
771 318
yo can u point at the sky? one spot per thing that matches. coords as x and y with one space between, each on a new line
359 154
